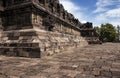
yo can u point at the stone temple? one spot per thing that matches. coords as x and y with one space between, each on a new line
35 28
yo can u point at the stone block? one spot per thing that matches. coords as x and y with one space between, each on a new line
116 65
49 53
28 33
96 72
57 51
115 71
13 37
106 73
116 77
22 52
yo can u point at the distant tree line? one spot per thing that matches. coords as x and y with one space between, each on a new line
108 32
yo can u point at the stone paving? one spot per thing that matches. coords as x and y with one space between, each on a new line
93 61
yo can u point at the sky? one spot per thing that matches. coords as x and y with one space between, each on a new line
96 11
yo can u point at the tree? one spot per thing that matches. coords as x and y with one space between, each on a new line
107 32
118 31
97 29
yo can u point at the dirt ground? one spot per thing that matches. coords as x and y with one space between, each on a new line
93 61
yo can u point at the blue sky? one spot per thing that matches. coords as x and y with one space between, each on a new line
96 11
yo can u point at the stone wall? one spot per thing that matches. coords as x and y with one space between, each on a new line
16 19
54 8
52 23
37 43
35 28
34 13
90 33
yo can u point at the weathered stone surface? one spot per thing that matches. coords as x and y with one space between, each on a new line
106 73
66 64
115 71
35 28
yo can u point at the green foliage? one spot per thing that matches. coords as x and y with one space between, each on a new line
97 29
118 33
107 32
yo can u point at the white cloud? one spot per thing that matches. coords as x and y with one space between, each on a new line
74 9
107 14
114 13
111 16
69 6
102 5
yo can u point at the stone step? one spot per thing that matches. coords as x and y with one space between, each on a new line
21 51
18 33
19 44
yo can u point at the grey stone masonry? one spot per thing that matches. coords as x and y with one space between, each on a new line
35 28
97 61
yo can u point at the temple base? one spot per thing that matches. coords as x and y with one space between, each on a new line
35 43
